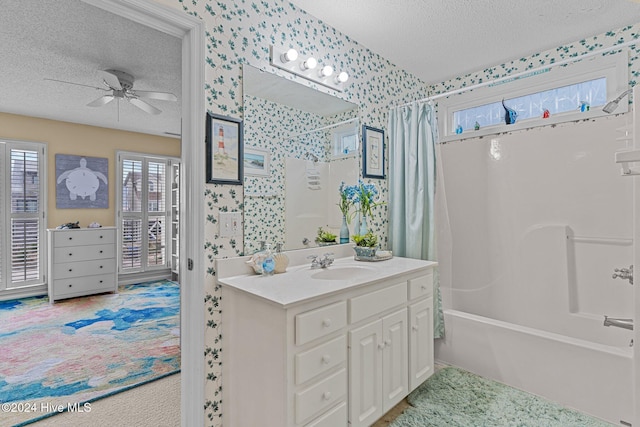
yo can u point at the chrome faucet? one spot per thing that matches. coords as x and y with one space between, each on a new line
324 262
624 273
619 323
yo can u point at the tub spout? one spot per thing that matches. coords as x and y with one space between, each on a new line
618 323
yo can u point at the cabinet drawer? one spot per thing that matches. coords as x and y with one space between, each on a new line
320 359
319 397
376 302
86 268
83 253
84 237
421 286
321 321
337 417
105 282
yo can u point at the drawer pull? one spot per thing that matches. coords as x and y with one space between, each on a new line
70 238
101 237
101 251
71 269
101 281
70 254
326 323
100 266
326 359
70 286
326 395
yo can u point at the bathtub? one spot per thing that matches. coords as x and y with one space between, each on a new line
590 377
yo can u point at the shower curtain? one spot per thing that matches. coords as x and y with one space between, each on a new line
412 137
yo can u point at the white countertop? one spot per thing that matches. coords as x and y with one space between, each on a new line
301 283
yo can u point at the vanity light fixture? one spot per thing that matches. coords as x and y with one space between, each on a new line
289 56
309 64
342 77
326 71
310 68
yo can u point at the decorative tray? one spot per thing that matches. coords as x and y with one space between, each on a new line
373 258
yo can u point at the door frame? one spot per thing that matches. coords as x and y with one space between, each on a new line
192 267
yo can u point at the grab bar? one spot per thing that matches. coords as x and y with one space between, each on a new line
618 323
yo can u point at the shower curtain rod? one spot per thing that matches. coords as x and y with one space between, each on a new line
523 73
323 128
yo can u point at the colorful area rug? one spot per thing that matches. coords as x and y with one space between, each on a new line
456 398
81 349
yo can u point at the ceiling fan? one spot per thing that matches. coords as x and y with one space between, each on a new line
119 85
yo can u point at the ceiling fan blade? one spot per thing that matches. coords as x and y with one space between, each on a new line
111 79
150 94
103 100
144 106
76 84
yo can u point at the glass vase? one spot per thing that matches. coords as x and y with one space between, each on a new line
364 228
344 231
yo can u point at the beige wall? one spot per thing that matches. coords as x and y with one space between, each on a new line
82 140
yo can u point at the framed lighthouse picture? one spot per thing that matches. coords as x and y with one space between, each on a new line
224 150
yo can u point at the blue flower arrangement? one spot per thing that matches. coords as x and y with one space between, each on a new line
361 194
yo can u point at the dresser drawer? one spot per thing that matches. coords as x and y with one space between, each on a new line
83 253
84 237
421 286
90 284
320 359
376 302
86 268
337 417
321 321
319 397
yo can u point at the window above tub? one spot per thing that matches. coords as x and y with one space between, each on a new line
569 92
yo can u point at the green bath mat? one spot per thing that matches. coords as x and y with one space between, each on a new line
456 398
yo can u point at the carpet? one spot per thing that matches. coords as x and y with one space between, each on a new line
456 398
54 358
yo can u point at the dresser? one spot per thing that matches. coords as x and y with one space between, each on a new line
81 262
332 347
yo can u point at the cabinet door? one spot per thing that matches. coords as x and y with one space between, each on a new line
420 342
365 374
395 359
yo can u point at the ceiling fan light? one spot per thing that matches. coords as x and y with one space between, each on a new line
289 55
309 64
326 71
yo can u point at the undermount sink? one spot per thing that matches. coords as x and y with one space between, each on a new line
341 272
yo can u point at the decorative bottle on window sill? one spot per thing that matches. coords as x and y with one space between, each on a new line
344 231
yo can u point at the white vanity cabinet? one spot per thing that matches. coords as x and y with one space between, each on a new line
81 262
340 355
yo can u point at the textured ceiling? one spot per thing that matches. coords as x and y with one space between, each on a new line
437 39
70 40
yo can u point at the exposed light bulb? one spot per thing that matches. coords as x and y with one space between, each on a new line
290 55
326 71
342 77
309 64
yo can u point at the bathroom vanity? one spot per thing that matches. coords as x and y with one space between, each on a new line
324 347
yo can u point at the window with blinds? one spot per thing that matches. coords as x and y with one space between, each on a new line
143 212
21 208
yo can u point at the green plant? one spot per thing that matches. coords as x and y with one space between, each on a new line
325 236
368 240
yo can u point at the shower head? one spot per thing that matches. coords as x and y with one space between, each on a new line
311 156
612 105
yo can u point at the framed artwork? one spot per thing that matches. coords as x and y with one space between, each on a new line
372 152
257 162
224 150
81 182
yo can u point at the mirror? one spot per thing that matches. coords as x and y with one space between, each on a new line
299 144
